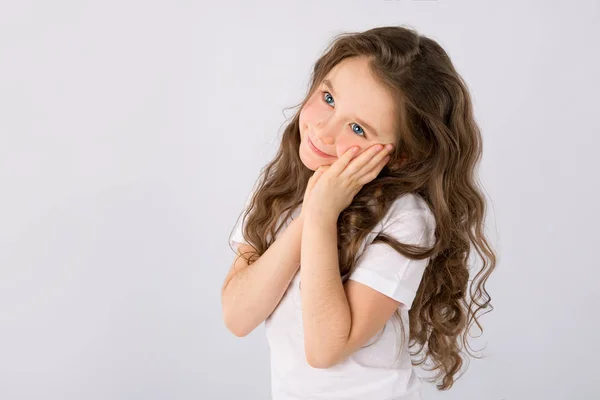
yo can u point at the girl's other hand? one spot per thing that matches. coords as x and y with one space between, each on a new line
311 184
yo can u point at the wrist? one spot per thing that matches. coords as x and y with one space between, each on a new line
322 217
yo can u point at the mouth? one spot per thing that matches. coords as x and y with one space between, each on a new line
316 150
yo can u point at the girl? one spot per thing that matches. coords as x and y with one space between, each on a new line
330 260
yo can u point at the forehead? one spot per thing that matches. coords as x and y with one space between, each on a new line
359 94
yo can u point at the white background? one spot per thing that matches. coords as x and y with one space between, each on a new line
132 131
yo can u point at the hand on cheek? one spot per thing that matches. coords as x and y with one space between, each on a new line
331 188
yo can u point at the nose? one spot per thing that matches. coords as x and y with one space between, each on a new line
325 134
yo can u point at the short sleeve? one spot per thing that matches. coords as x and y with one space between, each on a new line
389 272
237 236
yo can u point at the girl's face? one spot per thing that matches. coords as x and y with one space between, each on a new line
348 108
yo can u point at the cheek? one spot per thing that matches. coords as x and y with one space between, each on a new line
312 112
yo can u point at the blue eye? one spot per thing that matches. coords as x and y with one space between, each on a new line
327 95
359 130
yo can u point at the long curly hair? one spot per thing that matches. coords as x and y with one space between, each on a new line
438 134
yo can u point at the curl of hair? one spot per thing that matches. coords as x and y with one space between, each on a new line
437 132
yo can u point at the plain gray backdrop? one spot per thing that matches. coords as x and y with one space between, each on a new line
132 132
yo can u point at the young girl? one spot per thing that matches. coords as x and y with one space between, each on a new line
330 260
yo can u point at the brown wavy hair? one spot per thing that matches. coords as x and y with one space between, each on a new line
442 142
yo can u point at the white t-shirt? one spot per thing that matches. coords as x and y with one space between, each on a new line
373 372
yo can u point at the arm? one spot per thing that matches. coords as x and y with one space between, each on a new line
338 318
325 309
250 293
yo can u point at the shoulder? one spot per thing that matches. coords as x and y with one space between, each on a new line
409 204
411 215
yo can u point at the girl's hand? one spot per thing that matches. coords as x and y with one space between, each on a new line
311 183
331 188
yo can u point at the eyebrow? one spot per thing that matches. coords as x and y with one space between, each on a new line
327 83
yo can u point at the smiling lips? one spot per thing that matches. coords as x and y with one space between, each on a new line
316 150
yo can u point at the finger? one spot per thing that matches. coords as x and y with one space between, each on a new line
374 172
314 177
318 172
321 172
340 164
311 180
365 162
378 161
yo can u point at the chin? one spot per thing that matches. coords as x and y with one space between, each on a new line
310 164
